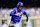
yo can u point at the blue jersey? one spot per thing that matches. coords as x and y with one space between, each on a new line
17 18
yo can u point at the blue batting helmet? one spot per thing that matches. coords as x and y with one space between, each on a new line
19 4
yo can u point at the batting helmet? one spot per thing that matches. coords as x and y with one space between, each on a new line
19 4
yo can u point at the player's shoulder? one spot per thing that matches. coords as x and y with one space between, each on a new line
23 10
14 8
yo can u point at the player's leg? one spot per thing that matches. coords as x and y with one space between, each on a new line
16 25
11 24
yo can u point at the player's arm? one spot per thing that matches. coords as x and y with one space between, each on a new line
26 15
12 12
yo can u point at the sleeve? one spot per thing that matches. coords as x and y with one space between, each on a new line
26 15
12 12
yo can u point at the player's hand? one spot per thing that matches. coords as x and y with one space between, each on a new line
18 14
25 21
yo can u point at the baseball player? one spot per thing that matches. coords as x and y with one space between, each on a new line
17 14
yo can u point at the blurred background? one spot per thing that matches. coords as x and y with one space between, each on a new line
32 7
